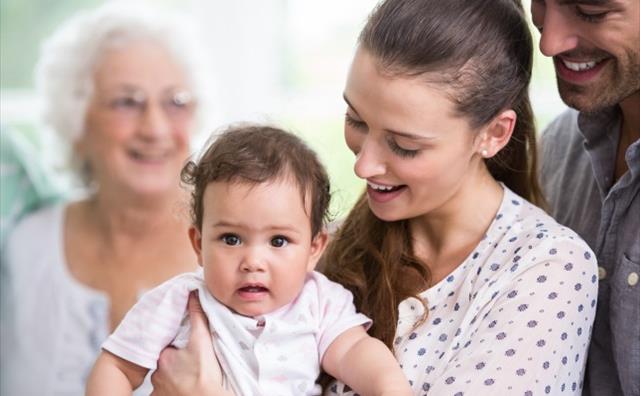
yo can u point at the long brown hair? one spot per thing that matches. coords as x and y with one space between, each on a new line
480 52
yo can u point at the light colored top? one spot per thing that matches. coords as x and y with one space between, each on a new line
51 326
513 319
278 353
579 156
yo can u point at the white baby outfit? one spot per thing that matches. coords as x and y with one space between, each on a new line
278 353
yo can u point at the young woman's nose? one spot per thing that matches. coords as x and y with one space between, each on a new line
369 160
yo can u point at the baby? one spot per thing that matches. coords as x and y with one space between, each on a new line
259 201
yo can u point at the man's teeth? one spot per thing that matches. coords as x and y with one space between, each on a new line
380 187
575 66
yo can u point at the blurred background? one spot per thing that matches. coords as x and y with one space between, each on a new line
280 61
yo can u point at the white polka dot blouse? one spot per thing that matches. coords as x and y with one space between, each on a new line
513 319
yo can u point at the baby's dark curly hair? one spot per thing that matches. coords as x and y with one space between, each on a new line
255 154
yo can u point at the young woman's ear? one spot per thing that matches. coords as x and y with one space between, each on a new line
318 244
196 242
496 134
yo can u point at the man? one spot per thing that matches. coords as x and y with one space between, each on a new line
591 167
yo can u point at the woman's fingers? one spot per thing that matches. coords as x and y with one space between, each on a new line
200 340
200 337
167 377
193 370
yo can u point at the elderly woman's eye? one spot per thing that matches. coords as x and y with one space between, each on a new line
178 104
182 98
126 102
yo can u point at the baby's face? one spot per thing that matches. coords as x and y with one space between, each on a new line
255 244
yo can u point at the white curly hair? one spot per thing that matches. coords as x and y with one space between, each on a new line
64 72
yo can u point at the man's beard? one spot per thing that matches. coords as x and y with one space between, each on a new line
617 81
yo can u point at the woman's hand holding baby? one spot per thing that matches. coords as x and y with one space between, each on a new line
193 370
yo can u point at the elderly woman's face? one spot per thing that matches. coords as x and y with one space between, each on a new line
138 122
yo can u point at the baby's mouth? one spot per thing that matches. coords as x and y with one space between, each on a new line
253 289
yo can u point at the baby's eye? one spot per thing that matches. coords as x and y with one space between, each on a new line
279 241
230 239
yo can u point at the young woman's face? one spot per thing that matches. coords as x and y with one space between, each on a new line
414 153
138 122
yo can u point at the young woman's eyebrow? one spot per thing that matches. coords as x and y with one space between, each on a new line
344 96
408 135
411 136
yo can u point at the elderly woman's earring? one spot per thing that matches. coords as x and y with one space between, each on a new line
484 153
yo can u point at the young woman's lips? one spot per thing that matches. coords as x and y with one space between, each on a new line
252 292
578 72
383 193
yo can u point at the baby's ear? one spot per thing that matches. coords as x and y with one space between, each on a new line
196 242
318 244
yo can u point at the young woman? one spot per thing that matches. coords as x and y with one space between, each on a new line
474 288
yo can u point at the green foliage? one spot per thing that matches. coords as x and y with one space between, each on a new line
23 26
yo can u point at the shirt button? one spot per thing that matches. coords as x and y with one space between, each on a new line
602 273
632 279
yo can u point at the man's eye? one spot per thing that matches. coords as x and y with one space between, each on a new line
279 241
230 239
589 15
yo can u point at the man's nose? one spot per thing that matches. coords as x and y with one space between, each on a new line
557 35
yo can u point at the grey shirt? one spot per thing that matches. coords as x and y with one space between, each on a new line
578 165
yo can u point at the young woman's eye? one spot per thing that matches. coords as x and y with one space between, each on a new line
592 16
352 122
402 152
230 239
279 241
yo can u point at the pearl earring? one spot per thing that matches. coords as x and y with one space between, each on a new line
484 153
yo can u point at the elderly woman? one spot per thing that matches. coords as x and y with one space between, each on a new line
122 88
